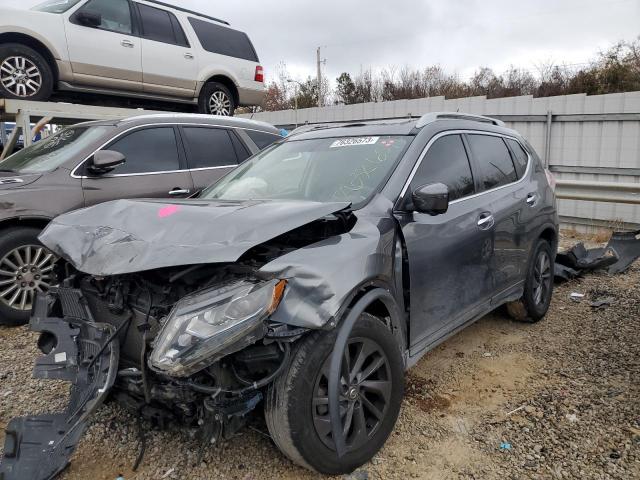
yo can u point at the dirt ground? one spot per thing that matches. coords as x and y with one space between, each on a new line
561 397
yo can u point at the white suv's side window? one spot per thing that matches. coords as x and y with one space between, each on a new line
111 15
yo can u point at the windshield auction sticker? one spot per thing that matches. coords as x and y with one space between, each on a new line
354 142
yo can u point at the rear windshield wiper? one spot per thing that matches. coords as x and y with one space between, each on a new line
6 170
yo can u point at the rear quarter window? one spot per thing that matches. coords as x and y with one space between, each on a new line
520 157
262 139
224 41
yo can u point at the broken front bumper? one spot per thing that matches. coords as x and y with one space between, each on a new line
79 351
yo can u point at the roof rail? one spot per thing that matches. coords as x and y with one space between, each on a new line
182 9
434 116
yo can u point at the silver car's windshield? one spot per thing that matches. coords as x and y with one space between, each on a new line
56 6
52 152
348 169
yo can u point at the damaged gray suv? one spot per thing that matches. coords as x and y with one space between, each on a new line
304 282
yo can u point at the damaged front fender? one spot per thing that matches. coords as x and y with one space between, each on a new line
79 351
322 277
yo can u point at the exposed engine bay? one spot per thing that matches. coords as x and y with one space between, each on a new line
191 345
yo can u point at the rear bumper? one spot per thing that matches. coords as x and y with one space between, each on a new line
251 96
40 447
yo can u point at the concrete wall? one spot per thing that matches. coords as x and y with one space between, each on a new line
592 137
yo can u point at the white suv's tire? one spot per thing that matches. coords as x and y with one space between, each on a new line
216 99
24 73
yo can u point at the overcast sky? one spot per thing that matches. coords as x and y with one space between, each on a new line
460 35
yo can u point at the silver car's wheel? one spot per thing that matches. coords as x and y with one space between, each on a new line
23 272
220 104
20 76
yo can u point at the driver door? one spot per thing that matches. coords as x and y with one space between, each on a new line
106 51
449 254
154 168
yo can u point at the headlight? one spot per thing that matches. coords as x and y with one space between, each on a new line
207 326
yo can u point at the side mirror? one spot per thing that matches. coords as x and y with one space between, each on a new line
89 19
431 199
105 161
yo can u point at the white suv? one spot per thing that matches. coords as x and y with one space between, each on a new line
142 49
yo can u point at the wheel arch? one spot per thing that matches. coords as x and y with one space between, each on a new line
387 310
227 82
39 46
28 222
550 234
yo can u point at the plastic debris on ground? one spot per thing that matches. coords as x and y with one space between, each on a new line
602 303
504 446
620 253
577 297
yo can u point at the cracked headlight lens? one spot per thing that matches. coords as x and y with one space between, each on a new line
205 327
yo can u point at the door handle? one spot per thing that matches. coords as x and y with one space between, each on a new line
532 199
486 221
127 43
189 56
179 191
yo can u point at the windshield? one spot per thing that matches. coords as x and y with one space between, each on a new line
347 169
50 153
56 6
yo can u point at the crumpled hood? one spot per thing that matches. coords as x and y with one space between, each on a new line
127 236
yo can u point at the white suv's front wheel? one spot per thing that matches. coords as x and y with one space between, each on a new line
24 73
216 99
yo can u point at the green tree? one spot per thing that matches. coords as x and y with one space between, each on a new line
346 89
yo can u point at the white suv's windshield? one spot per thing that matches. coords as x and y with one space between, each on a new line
50 153
348 169
56 6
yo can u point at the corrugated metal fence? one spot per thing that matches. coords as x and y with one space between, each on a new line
592 138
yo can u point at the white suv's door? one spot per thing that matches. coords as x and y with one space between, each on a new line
103 48
169 64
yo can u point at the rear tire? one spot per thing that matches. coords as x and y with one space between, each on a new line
20 250
216 99
294 419
538 289
24 73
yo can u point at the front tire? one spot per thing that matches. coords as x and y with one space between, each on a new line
297 411
26 268
24 73
538 289
216 99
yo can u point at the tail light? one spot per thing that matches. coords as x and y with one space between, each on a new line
551 179
259 74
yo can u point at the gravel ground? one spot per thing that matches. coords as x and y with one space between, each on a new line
562 397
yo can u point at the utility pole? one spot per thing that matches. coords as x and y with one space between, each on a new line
320 62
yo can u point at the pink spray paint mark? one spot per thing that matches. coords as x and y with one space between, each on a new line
167 211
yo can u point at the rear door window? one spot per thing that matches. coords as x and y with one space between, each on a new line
224 41
262 139
161 26
209 147
446 162
148 151
521 158
494 161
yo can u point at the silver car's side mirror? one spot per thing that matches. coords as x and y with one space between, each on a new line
106 161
